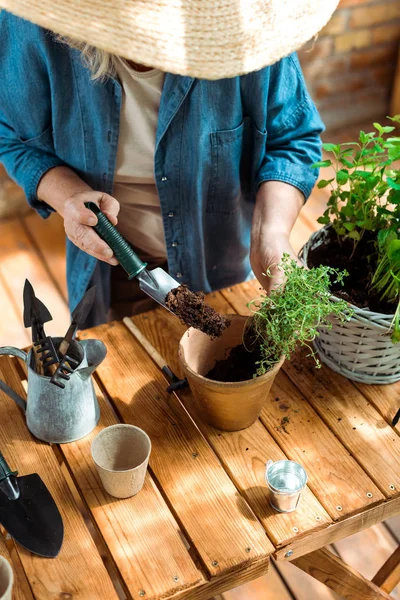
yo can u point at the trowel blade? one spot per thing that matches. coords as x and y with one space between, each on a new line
156 284
33 519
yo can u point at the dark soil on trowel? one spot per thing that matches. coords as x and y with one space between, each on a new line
193 311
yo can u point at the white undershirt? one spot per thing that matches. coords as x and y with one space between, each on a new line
140 220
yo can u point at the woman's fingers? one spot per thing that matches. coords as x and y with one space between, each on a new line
110 207
79 222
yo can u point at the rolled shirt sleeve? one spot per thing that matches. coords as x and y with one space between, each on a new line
294 126
27 164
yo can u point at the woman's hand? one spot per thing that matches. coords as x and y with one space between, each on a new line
62 189
79 221
277 207
266 253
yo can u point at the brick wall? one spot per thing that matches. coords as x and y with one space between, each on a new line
350 68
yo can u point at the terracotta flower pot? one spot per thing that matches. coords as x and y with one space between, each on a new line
230 406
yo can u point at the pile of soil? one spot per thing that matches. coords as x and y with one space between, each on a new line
239 365
193 311
356 288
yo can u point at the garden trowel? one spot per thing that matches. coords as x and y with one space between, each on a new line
35 315
156 283
29 513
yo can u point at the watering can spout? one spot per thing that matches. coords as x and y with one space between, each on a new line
95 352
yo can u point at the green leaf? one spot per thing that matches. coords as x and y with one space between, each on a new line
322 163
354 235
393 184
350 226
372 182
382 129
324 220
361 174
396 118
347 211
394 196
324 183
335 148
394 153
342 176
346 163
363 137
368 224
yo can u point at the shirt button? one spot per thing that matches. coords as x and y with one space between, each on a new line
171 214
174 244
179 275
164 179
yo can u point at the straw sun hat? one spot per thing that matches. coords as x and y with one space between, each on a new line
208 39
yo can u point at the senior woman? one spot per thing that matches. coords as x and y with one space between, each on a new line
204 171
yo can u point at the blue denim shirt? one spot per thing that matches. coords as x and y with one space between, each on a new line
216 142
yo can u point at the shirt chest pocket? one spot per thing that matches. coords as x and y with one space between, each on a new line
226 183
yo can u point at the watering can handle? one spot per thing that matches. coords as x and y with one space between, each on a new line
11 351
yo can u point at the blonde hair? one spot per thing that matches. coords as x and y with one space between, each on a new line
102 64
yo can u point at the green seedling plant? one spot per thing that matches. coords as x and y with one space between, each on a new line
365 192
294 311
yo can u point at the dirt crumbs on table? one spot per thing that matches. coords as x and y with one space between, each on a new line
193 311
239 365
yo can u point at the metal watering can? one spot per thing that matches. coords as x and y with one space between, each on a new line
57 415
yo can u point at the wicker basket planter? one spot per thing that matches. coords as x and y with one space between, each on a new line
360 349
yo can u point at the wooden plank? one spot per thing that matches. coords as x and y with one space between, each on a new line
48 237
21 590
141 534
385 398
334 476
324 566
340 530
244 455
219 585
388 575
302 585
352 418
67 574
269 587
367 550
214 516
19 261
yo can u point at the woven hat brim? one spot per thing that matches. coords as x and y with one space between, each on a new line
210 39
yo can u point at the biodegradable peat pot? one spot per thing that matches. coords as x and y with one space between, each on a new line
360 349
229 406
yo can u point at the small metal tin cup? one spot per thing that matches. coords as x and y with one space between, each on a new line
285 479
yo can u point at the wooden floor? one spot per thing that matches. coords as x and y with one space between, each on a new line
35 249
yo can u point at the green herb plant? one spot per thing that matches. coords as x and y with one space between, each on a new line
293 311
365 192
365 197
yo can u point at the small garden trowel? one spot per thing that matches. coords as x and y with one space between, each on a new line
29 513
156 283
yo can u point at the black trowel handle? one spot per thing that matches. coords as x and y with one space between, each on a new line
8 483
5 470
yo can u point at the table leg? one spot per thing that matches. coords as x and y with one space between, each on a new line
388 576
339 577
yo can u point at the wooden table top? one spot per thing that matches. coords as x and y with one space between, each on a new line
202 523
